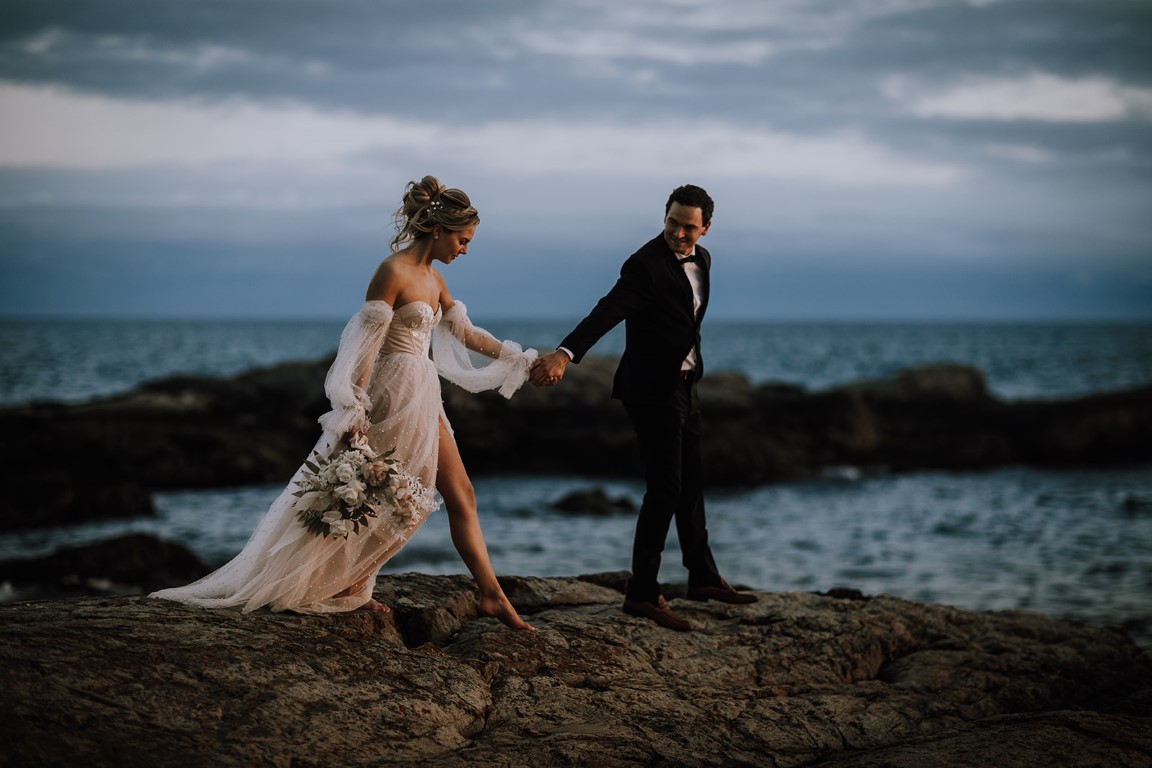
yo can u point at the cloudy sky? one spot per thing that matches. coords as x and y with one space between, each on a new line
869 159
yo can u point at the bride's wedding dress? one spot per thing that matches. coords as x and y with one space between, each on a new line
384 380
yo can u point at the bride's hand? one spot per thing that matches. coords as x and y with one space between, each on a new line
357 437
498 607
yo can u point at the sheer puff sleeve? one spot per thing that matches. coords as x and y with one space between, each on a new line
347 380
508 364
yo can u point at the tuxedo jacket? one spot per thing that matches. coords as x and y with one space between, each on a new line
654 299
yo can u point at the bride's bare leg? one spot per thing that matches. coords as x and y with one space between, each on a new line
464 522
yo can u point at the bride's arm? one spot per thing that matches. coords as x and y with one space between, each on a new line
476 339
455 336
347 379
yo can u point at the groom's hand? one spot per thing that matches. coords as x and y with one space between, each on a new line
548 369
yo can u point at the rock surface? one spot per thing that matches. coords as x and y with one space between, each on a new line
189 432
794 680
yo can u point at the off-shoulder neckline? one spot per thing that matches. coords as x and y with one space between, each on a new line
402 306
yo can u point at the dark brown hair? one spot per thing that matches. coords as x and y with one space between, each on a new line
693 197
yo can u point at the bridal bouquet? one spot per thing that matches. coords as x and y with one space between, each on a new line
338 494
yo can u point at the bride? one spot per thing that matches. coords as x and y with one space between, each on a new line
385 396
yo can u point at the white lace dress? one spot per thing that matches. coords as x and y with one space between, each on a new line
383 378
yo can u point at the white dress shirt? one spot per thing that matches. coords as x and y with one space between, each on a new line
692 270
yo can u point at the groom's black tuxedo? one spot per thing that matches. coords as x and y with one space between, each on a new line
653 297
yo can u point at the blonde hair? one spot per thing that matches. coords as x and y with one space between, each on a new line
428 203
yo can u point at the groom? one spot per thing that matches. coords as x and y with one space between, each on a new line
661 296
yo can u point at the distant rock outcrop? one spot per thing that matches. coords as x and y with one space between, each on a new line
127 565
794 680
594 502
188 432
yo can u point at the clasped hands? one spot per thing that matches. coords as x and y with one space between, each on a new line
548 369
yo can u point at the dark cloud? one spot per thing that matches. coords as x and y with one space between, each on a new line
354 54
1073 38
1038 192
819 67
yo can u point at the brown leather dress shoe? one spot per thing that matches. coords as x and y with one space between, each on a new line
723 593
659 612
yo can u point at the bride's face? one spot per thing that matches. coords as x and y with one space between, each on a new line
452 244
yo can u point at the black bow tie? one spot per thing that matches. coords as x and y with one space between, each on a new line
694 258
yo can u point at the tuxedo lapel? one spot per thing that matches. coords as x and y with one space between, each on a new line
705 279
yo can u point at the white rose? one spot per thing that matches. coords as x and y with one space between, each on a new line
351 493
337 525
345 472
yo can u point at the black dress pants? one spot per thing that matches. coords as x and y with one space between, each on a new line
669 437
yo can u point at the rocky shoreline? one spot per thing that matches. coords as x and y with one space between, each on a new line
107 456
797 679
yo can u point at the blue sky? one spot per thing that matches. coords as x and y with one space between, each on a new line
872 159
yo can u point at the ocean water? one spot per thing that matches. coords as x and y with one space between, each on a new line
1073 543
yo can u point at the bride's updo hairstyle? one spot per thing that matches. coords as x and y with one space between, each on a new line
427 203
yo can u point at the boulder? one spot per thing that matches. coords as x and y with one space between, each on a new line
796 679
938 383
594 502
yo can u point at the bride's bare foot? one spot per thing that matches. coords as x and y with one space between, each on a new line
500 609
375 605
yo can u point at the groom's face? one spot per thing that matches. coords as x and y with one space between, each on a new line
683 226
